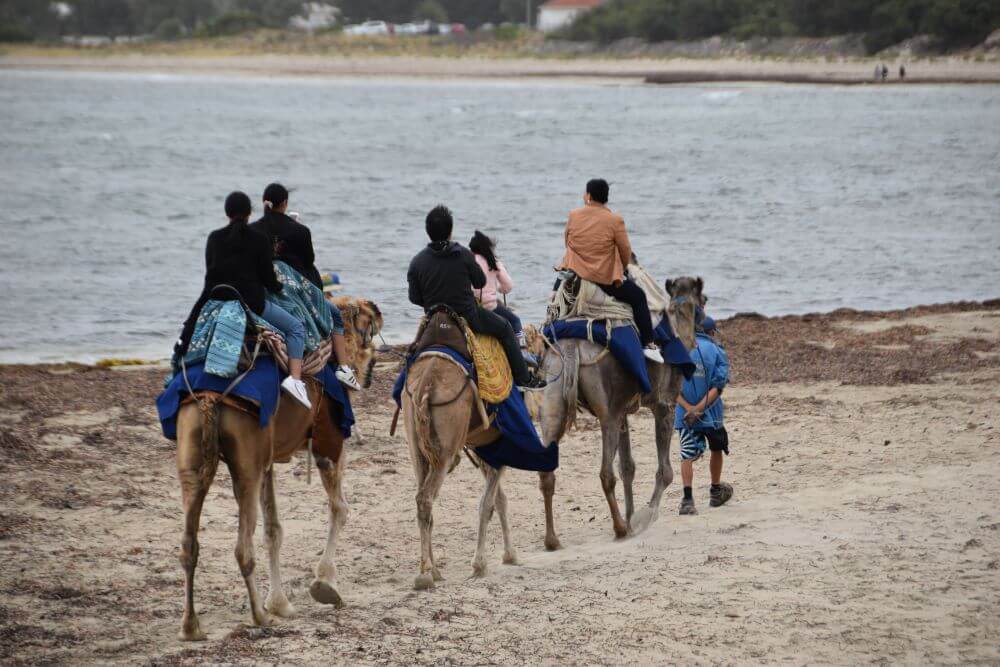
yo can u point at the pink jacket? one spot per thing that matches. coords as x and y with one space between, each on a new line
496 281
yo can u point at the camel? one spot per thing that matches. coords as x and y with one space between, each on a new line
443 414
597 381
209 429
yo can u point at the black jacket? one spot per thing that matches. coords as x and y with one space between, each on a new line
238 258
445 272
292 243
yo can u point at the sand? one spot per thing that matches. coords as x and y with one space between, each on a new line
864 527
623 70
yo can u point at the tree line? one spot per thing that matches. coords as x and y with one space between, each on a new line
956 23
883 22
39 19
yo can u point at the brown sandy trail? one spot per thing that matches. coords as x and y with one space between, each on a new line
864 528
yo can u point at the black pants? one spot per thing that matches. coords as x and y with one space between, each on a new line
633 295
489 323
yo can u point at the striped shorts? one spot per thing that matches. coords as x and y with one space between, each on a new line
693 444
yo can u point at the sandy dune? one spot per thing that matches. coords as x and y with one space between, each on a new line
864 529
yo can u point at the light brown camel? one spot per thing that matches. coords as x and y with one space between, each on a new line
210 429
442 413
589 377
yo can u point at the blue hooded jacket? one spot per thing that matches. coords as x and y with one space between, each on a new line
711 370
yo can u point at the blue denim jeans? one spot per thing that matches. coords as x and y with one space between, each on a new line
293 330
338 320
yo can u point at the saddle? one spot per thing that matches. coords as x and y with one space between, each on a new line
444 327
576 298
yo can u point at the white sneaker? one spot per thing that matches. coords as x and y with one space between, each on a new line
346 375
653 354
297 390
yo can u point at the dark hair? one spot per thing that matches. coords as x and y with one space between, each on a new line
238 209
439 223
598 189
276 194
481 244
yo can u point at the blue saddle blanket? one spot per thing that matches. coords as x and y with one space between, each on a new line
519 445
261 385
626 347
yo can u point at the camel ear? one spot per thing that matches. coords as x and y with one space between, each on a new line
669 286
700 285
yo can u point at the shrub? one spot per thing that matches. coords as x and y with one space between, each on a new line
169 30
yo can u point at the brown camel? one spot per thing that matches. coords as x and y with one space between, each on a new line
442 412
590 377
209 429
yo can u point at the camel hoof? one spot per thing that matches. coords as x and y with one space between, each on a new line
510 558
263 621
642 519
552 543
280 606
324 593
436 573
479 567
621 532
193 634
423 582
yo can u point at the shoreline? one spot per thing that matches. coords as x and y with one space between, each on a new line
624 70
136 361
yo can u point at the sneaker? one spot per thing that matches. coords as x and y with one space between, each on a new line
533 384
653 354
346 376
687 506
297 390
719 497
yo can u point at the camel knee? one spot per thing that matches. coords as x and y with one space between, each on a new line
628 468
245 559
424 515
547 483
667 475
608 481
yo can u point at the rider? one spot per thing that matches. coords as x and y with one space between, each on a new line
293 246
498 281
446 273
598 250
239 256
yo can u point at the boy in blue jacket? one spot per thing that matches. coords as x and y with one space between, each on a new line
699 416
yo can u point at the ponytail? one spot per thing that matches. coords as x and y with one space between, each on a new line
483 245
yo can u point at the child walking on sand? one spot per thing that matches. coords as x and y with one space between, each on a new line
699 417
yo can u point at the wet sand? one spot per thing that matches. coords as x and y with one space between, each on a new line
864 526
627 70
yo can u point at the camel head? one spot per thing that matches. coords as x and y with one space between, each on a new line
686 296
362 323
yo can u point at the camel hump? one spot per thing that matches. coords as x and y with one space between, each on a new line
442 378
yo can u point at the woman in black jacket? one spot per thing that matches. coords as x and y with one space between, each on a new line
293 245
238 256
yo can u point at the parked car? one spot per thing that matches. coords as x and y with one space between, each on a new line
368 28
458 28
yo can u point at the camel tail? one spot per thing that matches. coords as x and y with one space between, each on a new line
210 416
425 429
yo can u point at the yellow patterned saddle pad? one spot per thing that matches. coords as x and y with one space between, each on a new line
492 367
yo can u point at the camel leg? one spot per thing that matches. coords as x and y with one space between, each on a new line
663 421
486 506
610 436
277 602
246 488
547 483
509 553
429 486
626 467
324 587
196 477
